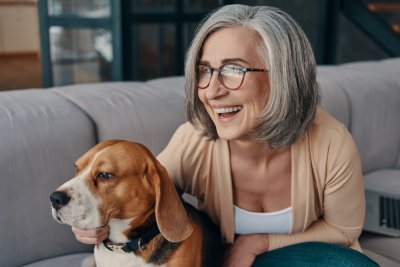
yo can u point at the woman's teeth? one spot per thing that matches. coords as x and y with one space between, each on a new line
227 110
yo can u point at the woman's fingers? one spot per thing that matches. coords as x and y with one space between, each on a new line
92 240
91 233
94 236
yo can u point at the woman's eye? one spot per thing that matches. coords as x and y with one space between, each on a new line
203 70
104 175
232 69
235 68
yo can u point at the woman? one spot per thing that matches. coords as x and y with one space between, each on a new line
266 163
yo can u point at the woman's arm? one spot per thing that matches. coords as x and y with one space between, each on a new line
245 249
184 160
343 210
343 200
171 159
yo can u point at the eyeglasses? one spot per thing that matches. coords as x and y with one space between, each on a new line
231 76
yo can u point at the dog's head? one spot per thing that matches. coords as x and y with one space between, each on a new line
121 180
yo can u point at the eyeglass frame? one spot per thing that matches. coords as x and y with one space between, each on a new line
243 69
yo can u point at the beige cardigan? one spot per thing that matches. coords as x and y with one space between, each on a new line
327 194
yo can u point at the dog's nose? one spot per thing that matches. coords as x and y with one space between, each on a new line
59 199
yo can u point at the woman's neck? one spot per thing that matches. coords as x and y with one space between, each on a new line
252 151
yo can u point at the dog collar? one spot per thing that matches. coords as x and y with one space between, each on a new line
136 244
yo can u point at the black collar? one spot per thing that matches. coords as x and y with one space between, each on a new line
138 243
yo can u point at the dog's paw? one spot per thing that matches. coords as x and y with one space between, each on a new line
88 261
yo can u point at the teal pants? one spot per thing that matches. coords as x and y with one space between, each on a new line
314 254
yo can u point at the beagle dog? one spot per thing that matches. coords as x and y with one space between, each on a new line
120 183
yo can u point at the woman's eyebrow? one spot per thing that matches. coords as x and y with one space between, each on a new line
203 62
224 61
235 59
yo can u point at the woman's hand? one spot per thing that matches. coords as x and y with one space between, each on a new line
91 237
244 250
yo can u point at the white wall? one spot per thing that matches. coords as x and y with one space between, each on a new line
19 30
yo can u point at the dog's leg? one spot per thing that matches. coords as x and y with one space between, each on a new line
88 261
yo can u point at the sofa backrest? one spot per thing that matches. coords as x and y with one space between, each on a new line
144 112
366 98
41 135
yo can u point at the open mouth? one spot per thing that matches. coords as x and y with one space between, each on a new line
227 112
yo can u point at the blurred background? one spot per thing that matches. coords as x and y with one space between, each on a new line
46 43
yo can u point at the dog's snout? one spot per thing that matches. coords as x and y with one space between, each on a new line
59 199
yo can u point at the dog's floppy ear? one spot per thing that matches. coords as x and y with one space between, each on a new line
171 216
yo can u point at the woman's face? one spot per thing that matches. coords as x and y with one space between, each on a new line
234 46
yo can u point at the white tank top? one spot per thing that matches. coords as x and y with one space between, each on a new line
277 222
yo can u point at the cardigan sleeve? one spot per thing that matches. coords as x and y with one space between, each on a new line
343 200
171 159
184 158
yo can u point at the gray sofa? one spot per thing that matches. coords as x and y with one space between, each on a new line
42 133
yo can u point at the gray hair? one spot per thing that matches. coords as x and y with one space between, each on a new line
286 54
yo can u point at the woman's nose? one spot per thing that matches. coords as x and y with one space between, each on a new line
215 89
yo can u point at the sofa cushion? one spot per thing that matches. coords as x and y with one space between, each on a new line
381 260
147 113
74 260
42 134
383 249
386 180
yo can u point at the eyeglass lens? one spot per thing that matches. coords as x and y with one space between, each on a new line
230 76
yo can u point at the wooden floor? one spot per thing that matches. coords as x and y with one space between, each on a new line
20 71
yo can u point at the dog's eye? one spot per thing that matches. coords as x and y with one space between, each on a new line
104 175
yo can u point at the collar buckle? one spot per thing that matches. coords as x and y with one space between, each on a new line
117 247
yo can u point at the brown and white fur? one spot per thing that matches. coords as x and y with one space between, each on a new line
121 184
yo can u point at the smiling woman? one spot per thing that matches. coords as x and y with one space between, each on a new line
258 142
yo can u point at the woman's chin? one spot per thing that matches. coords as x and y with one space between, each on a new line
229 134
